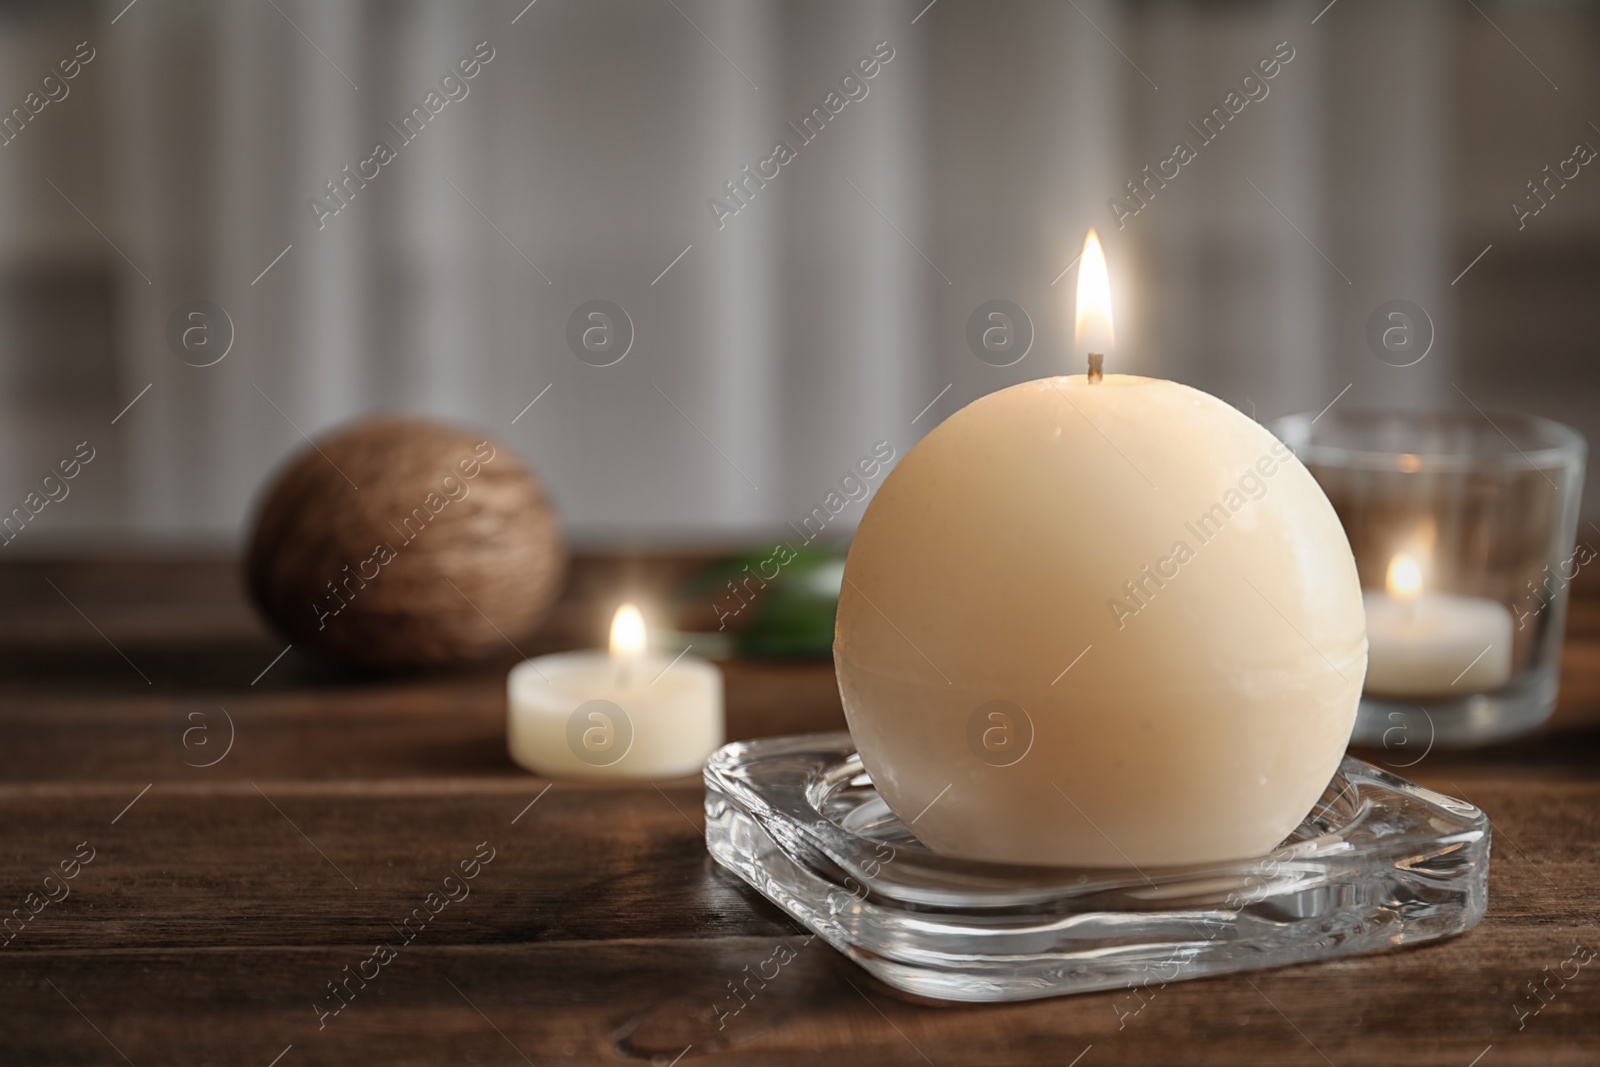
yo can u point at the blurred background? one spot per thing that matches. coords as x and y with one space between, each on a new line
766 349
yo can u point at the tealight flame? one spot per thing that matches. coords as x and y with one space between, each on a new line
627 633
1404 579
1092 328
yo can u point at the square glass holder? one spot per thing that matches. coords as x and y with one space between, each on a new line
1381 862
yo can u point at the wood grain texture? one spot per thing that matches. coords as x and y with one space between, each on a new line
220 904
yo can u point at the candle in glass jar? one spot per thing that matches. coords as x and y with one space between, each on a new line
623 714
1422 644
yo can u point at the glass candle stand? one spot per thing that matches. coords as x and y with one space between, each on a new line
1377 864
1462 524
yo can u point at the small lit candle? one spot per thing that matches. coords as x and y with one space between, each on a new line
626 713
1423 644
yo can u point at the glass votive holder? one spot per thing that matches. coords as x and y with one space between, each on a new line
1462 525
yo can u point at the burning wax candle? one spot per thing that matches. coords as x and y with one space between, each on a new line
623 714
1433 644
1100 620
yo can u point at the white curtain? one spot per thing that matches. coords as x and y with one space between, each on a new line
769 352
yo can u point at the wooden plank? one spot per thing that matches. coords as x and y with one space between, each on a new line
284 862
437 726
281 862
650 1000
75 704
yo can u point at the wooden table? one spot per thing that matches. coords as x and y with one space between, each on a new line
221 901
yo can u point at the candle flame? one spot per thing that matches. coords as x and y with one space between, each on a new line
1404 579
627 632
1092 327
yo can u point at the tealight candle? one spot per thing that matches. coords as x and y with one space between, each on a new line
623 714
1433 644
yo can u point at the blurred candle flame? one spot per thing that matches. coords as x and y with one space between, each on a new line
1404 579
1092 327
627 633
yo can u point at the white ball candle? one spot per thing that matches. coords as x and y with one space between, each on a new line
1428 645
1100 623
623 714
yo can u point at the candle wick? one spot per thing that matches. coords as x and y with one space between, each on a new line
1096 362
